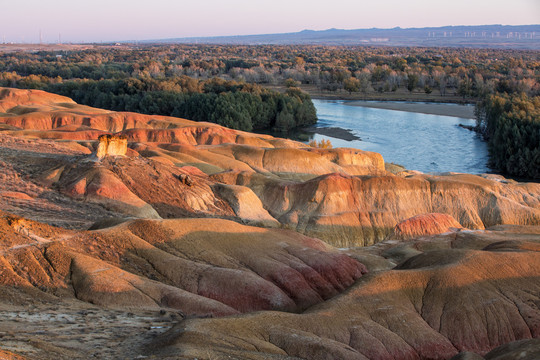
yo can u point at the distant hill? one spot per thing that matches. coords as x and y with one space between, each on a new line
490 36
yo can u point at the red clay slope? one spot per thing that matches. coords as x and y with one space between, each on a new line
198 266
433 306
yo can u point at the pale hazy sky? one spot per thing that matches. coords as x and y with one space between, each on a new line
109 20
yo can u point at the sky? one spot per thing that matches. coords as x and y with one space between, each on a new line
118 20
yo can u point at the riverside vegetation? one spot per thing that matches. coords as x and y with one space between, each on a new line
511 125
229 85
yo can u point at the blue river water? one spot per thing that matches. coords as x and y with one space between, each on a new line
428 143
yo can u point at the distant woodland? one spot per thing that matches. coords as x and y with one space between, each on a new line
231 85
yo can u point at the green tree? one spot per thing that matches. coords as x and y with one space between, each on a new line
412 81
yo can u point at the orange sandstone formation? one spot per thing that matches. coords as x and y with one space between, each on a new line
111 145
425 224
199 266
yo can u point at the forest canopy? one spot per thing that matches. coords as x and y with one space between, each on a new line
511 125
229 103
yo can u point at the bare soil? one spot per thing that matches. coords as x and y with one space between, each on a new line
79 330
22 161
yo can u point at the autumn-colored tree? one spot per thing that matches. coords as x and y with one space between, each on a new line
351 85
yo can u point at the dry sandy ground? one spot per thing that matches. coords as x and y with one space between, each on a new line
79 331
19 160
462 111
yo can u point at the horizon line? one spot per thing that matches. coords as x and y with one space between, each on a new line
250 35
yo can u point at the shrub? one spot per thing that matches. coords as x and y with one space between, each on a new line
323 144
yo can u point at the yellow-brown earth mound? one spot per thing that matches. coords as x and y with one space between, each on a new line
199 266
425 224
433 306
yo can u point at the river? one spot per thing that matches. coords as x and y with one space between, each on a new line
428 143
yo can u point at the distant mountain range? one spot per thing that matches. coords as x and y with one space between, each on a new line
488 36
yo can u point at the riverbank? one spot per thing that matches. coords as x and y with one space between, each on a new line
460 111
401 100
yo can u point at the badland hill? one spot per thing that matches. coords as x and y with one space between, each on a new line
125 235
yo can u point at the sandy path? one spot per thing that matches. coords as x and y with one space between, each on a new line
462 111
